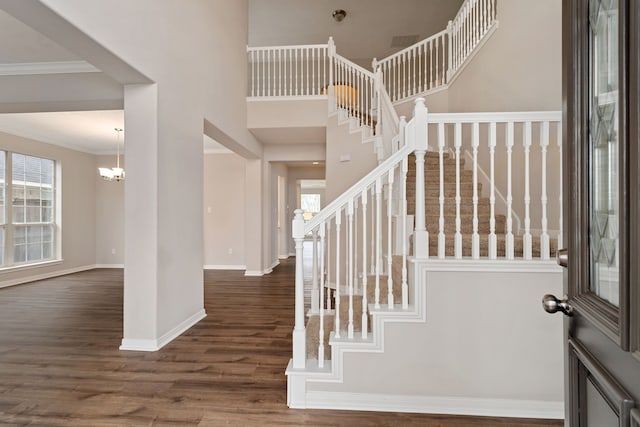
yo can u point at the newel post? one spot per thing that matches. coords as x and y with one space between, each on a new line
299 333
332 54
421 235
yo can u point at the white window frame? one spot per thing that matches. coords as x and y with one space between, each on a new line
8 226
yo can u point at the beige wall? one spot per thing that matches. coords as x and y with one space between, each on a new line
519 68
78 207
224 211
109 218
341 142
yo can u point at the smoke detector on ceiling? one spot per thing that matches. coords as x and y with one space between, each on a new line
339 15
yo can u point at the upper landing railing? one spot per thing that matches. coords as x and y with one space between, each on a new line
429 65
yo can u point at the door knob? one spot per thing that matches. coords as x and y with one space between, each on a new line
551 304
562 257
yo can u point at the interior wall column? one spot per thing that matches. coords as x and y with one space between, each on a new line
141 218
254 217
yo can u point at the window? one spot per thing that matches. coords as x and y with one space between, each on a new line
28 221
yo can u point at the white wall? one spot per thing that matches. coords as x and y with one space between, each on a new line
78 207
224 211
486 342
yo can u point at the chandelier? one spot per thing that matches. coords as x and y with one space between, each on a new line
117 173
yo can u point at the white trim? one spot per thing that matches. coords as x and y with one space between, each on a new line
224 267
109 266
37 68
275 264
511 408
133 344
22 267
288 98
254 273
493 266
284 256
43 276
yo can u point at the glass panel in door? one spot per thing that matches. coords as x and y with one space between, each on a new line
604 150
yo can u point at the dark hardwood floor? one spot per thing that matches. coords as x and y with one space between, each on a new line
60 364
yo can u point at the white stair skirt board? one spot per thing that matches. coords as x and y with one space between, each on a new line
224 267
109 266
435 405
132 344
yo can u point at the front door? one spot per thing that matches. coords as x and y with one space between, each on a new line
601 43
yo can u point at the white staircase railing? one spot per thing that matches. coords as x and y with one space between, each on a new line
431 64
288 71
352 90
417 69
474 20
355 237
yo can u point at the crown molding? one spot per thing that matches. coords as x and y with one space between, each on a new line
40 68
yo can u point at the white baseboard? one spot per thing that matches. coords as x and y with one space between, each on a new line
283 256
133 344
275 264
224 267
108 266
510 408
43 276
254 273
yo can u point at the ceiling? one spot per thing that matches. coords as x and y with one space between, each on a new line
366 32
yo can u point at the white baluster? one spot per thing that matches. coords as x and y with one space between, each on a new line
262 65
431 66
509 237
450 37
299 331
413 61
441 235
437 56
405 237
390 301
295 61
307 62
365 317
268 81
337 291
253 72
457 248
493 239
426 68
560 219
475 239
280 77
274 89
355 246
315 303
378 239
329 305
373 232
350 266
527 194
544 237
321 232
421 235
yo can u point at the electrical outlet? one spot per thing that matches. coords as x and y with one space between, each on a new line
113 251
230 251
